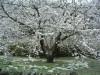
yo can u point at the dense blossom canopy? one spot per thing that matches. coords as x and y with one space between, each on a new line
21 19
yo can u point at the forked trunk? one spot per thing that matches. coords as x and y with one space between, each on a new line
54 51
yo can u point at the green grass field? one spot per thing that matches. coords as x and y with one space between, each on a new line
61 65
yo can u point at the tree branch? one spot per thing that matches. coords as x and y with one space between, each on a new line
67 36
57 39
42 45
36 8
10 16
2 16
15 20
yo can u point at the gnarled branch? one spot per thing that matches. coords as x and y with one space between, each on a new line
10 16
15 20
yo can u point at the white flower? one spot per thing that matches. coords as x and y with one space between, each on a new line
77 57
10 66
16 67
45 67
50 71
30 66
24 59
77 64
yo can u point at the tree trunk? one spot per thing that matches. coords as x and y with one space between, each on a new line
54 51
50 58
47 52
57 51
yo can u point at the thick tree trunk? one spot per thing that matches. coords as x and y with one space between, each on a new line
57 51
54 51
47 52
49 57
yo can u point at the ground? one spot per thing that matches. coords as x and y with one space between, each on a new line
61 65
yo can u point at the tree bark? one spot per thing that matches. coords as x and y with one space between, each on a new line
54 51
49 57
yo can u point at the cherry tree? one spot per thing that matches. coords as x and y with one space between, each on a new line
52 23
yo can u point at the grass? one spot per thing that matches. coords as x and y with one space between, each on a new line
43 67
94 68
